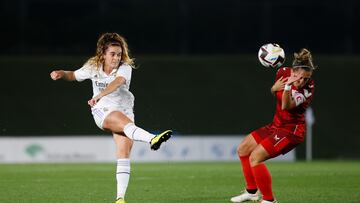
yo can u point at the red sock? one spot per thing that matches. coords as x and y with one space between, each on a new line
248 174
263 181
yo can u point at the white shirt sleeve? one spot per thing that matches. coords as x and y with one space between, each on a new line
83 73
125 72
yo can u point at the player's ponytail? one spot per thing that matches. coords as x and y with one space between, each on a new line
303 59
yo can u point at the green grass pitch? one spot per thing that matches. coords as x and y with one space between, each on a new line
176 182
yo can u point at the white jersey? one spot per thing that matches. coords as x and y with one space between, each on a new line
121 97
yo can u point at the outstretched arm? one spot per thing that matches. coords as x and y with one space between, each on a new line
61 74
109 89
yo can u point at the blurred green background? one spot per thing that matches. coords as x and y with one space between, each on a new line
190 94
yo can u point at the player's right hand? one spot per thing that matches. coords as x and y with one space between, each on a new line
279 84
56 74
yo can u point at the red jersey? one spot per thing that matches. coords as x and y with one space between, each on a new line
293 119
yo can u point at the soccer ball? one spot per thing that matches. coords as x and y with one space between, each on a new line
271 55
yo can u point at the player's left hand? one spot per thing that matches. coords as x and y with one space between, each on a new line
93 101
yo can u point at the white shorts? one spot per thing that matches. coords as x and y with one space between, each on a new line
100 114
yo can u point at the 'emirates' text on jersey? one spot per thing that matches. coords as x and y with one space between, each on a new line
293 119
121 97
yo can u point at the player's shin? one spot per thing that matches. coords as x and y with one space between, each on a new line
263 180
248 175
122 177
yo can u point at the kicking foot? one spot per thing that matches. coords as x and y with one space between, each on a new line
159 139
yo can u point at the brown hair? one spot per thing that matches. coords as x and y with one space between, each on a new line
106 40
303 59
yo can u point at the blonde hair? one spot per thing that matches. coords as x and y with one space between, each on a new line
303 59
104 42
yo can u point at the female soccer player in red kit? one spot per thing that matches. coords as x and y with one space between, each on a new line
294 90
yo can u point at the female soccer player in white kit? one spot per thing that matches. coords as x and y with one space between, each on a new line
112 103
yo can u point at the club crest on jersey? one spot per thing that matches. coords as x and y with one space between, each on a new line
298 98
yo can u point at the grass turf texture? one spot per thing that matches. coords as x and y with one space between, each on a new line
176 182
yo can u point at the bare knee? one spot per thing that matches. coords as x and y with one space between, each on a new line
107 125
254 159
243 150
258 156
246 146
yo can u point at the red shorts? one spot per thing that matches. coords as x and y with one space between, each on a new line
275 140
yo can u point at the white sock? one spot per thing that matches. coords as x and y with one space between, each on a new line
122 177
135 133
